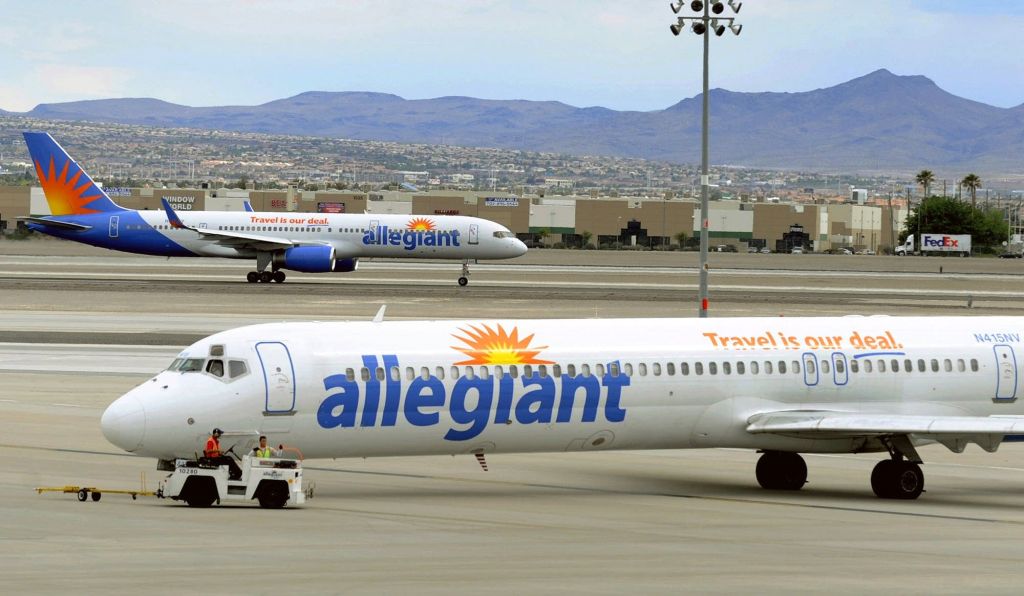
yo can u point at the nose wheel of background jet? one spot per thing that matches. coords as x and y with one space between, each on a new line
464 279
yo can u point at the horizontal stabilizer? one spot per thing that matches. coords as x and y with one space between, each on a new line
56 223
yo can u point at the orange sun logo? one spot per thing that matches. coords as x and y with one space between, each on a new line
62 195
484 345
420 224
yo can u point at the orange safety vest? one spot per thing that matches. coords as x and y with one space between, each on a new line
212 447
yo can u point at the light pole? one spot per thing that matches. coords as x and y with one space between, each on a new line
704 24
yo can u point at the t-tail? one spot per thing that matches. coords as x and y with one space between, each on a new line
68 188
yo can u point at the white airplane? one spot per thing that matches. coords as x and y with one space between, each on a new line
781 386
307 242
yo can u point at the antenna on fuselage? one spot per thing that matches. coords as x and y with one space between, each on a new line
377 318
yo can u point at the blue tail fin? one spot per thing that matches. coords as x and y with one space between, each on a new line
68 189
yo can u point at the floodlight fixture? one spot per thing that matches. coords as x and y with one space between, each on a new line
676 6
697 6
717 7
735 6
699 28
735 28
676 28
719 29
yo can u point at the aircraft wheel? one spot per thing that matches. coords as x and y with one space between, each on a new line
463 281
252 277
83 495
279 277
881 478
780 470
266 277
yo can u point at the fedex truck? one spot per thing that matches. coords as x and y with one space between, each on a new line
955 244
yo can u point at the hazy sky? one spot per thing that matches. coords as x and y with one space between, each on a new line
617 54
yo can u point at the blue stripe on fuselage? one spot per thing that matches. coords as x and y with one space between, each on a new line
133 234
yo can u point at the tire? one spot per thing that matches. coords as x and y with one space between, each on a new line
908 481
279 277
252 277
273 495
777 470
882 478
96 496
266 277
83 495
201 498
199 491
463 281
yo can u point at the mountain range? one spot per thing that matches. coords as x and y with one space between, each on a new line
877 122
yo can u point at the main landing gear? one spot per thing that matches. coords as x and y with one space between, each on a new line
464 280
265 276
899 477
781 470
261 275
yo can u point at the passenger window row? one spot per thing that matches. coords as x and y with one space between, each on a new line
657 369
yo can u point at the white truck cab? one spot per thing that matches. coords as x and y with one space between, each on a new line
274 482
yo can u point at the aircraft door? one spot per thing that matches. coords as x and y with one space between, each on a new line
278 377
840 368
810 369
113 225
474 233
1006 369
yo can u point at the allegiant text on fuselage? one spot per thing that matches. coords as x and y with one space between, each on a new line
533 399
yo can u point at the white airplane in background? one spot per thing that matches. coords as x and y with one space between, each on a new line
307 242
781 386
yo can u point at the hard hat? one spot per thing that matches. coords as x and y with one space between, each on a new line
217 431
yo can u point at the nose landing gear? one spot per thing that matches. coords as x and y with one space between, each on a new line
464 279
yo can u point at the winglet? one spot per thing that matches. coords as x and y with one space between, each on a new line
172 217
377 318
248 206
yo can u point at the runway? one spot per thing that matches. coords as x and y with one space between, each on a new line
606 523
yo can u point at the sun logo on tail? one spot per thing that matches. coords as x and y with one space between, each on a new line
62 194
485 345
421 224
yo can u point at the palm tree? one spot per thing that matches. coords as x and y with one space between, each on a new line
925 179
972 182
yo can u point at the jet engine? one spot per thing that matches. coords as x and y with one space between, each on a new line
308 259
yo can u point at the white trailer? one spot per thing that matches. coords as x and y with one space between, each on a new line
957 244
274 482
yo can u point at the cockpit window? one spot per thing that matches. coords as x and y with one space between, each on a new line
215 367
186 365
504 234
236 368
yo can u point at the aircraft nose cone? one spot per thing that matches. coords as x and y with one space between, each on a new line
520 247
124 423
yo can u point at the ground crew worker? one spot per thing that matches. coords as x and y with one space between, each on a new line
213 454
264 450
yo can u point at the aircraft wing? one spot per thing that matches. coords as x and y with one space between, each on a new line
226 238
952 431
56 223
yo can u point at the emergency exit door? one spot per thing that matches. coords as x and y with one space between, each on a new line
474 233
1006 370
114 222
278 377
